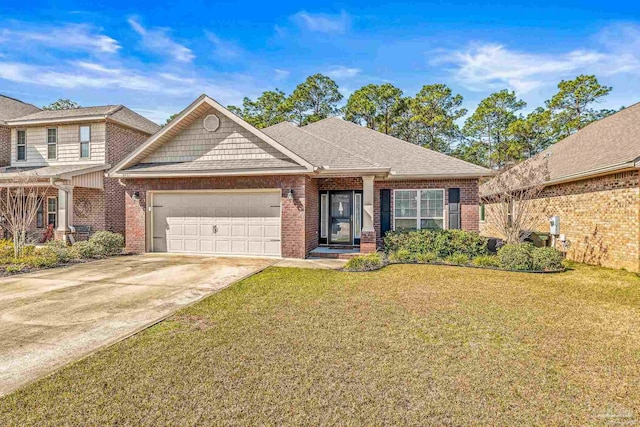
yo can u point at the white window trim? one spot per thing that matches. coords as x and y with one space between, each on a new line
55 157
445 224
18 144
324 220
81 142
52 213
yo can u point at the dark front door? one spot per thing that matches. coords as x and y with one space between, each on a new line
341 217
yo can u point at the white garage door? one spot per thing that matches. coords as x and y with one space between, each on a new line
217 223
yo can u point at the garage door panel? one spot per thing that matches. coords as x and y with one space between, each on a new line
217 223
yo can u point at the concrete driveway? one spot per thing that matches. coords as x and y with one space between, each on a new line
53 317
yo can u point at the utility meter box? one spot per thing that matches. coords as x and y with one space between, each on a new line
554 225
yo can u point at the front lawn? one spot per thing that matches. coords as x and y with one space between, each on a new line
409 344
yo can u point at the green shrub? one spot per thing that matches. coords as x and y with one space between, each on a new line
28 250
63 252
45 257
85 250
442 243
486 261
15 268
547 259
516 256
425 257
400 256
458 259
6 248
372 261
107 243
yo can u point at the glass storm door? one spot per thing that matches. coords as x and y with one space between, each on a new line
341 218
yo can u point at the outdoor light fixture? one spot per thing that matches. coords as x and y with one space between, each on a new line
290 194
136 195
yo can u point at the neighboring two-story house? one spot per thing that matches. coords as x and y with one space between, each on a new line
68 152
10 108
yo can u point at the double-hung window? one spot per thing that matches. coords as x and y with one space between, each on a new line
21 146
52 143
40 216
85 142
418 209
52 211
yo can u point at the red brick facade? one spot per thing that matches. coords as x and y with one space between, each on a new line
599 217
300 216
293 240
5 146
120 142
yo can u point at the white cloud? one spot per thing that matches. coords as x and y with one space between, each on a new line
323 23
488 66
67 37
157 40
342 72
223 49
281 74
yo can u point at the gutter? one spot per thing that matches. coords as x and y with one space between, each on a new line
205 173
470 175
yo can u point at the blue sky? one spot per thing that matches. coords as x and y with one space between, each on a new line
156 58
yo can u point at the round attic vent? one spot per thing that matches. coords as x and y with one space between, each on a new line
211 123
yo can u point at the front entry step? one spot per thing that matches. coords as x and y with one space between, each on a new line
335 252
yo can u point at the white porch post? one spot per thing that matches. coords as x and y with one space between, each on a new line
65 208
368 236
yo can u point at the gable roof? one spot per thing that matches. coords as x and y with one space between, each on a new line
183 120
10 108
605 146
402 158
116 113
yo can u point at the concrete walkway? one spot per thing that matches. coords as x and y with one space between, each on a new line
53 317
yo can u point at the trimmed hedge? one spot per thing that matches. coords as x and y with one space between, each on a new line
107 243
372 261
516 256
547 259
442 243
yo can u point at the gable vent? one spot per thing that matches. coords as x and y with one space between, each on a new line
211 123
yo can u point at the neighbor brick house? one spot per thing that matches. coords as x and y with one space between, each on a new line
209 182
67 152
593 187
10 108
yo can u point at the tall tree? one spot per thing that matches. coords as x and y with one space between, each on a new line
530 135
269 109
435 109
62 104
489 123
572 106
375 106
315 99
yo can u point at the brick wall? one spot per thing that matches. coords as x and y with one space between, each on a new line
294 237
5 146
469 198
120 142
312 213
89 207
598 216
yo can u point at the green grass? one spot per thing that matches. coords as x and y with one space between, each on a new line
408 344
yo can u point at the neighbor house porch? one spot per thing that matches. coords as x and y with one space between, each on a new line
73 199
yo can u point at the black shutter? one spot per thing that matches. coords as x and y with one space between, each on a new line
454 208
385 211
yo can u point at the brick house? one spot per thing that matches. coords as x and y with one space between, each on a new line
68 153
593 187
209 182
10 108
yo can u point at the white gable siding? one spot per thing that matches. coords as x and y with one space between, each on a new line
68 145
229 142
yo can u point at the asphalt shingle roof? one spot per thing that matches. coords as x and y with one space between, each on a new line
336 143
11 108
116 112
607 143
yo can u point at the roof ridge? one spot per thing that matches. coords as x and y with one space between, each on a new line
338 146
115 109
